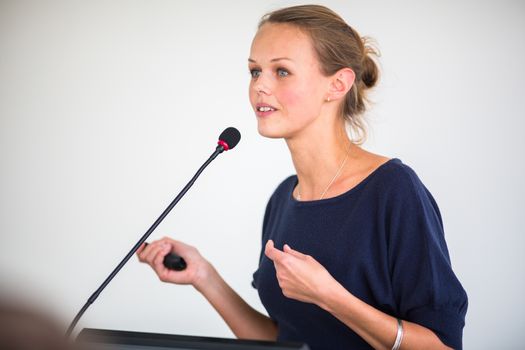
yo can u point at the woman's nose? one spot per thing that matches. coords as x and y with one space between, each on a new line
262 89
261 86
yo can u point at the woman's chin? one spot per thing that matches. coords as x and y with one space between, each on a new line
271 133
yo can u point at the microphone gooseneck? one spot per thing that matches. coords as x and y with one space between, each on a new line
227 140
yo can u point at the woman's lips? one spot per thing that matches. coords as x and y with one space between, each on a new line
264 110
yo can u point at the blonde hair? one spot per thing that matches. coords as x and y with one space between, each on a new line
337 46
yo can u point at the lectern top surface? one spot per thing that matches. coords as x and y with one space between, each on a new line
101 339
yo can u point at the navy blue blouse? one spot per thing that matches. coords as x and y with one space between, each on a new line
382 240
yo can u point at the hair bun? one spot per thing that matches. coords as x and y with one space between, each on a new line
370 74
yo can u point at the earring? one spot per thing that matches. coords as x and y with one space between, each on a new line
328 99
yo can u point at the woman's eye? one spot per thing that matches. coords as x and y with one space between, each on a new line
282 72
255 73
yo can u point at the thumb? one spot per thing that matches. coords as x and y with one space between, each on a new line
289 250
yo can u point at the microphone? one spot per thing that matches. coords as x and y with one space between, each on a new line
228 139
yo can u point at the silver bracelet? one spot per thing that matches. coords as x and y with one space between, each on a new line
399 336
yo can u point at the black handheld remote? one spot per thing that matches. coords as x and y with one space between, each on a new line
173 262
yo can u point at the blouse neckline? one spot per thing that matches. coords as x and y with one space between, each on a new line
343 195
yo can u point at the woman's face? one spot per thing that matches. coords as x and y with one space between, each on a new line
287 88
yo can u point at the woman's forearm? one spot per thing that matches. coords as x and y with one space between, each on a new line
376 327
244 321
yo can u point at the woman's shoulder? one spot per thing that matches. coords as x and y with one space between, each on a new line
392 179
370 170
399 184
392 172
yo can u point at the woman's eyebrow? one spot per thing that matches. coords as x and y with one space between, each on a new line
272 60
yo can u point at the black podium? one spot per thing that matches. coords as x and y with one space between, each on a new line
102 339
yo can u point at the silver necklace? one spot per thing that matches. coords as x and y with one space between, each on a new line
331 182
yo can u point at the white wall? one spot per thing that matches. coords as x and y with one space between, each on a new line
107 108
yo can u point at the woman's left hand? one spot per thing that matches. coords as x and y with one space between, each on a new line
300 276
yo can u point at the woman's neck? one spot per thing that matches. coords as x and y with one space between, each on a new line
318 159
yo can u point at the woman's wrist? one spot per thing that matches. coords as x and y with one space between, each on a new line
204 277
331 296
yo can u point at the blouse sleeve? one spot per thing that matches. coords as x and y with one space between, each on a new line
426 290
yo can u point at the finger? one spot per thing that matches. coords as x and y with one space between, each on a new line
177 246
152 252
144 250
141 248
297 254
268 249
158 264
158 260
271 252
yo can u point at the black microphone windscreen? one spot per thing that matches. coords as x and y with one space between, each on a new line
231 136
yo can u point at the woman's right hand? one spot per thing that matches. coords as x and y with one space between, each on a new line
195 273
243 320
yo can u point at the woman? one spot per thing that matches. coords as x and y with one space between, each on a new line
354 254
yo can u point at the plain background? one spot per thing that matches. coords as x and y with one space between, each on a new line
107 108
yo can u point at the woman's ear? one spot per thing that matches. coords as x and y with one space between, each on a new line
342 81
